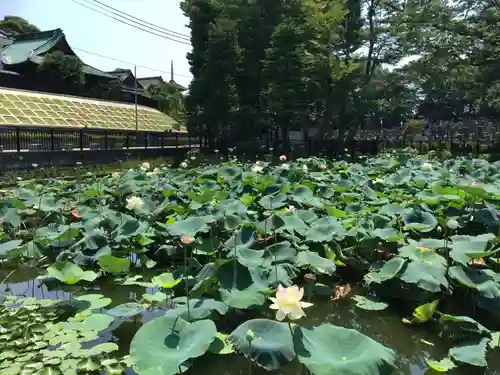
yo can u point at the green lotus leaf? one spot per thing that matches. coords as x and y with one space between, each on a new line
88 364
418 251
96 301
423 313
198 308
464 323
495 340
281 252
419 220
388 271
273 202
444 365
8 246
221 344
465 247
165 280
111 264
272 345
106 347
244 298
315 262
326 229
126 309
328 349
70 273
369 303
472 352
482 280
426 276
156 297
166 344
188 227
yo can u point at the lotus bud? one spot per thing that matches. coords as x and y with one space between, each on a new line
184 164
250 336
283 158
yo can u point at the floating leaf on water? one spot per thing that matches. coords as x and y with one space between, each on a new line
126 309
166 343
328 349
96 301
165 280
369 303
472 351
444 365
221 344
88 364
106 347
272 346
70 273
112 264
156 297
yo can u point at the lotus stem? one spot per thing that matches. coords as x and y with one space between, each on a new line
7 277
186 285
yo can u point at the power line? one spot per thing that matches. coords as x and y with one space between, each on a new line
123 14
129 63
132 25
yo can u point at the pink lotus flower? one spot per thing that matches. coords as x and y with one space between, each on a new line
287 303
283 158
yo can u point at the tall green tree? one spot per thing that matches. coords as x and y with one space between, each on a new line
62 73
13 25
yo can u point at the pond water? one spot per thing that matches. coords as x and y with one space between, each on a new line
412 344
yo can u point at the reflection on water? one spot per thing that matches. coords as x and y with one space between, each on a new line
412 344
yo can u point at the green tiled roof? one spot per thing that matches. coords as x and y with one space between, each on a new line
33 46
148 81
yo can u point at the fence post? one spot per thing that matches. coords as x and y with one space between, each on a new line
52 140
105 139
18 140
189 140
162 141
145 140
176 140
81 139
127 140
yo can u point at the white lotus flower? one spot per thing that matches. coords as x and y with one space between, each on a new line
291 209
115 175
288 303
285 166
34 165
193 157
304 168
323 166
257 168
156 170
427 166
452 224
134 203
150 174
145 166
184 164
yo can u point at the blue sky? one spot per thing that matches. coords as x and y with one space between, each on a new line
94 32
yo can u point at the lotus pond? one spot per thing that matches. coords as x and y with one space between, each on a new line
386 265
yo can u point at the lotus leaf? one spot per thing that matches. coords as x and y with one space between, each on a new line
328 349
165 280
126 309
113 264
166 344
369 303
69 273
472 352
272 345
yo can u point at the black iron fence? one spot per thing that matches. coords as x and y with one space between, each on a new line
24 139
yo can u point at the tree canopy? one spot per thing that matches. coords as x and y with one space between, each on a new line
340 65
13 25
